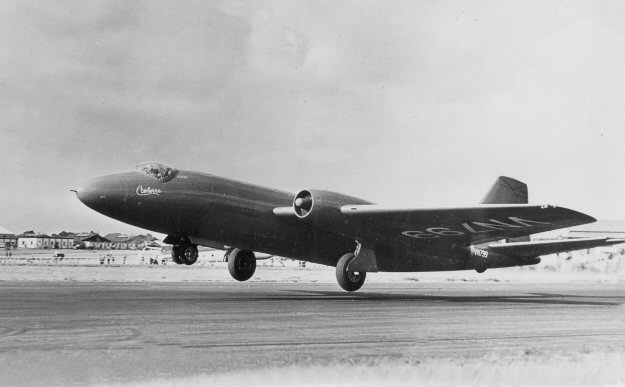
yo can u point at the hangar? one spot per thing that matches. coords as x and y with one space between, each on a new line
130 242
31 240
92 241
61 242
8 239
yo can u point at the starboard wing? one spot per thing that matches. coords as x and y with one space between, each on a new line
464 225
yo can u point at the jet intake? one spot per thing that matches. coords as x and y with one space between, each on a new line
303 204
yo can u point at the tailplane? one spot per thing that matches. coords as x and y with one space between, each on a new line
536 248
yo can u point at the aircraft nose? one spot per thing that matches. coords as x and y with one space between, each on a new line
103 193
87 193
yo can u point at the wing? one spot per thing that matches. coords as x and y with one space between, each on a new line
464 225
534 249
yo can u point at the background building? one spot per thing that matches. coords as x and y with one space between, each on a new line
91 240
8 239
32 240
61 241
129 242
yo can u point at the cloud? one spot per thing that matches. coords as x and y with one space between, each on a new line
301 94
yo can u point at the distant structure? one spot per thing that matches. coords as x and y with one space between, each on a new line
33 240
91 240
599 229
61 241
67 240
8 239
129 242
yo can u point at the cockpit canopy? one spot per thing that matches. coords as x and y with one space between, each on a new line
159 171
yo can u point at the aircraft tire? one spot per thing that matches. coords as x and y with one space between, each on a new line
241 264
189 254
175 254
349 280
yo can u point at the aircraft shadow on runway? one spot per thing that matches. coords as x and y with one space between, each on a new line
529 298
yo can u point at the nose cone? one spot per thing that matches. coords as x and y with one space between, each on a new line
105 194
88 193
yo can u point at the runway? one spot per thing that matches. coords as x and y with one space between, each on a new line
76 333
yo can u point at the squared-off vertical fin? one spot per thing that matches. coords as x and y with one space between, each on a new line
507 190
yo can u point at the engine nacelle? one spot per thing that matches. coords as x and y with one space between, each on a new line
322 207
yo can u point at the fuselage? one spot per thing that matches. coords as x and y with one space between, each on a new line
212 211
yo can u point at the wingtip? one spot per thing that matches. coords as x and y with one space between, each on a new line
589 218
577 218
585 218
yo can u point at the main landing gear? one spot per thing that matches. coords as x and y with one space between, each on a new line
241 263
349 280
185 252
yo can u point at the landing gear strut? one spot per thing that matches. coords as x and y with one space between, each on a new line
241 264
184 253
349 280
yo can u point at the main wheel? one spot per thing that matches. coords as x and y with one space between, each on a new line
349 280
175 254
189 254
241 264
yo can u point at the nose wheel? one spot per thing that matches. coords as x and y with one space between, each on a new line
186 253
175 254
349 280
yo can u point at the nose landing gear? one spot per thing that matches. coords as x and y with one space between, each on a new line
185 252
175 254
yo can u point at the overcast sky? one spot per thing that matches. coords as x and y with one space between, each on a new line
397 102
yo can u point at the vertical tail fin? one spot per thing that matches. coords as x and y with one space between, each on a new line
507 190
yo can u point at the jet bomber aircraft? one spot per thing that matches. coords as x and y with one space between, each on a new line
329 228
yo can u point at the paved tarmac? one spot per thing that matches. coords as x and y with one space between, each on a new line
76 333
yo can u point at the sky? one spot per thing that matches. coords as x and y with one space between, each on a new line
422 103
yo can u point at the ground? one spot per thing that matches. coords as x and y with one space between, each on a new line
80 323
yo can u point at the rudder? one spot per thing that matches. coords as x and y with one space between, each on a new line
506 190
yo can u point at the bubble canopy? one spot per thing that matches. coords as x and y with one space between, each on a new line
159 171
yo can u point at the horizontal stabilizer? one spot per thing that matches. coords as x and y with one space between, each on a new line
537 248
